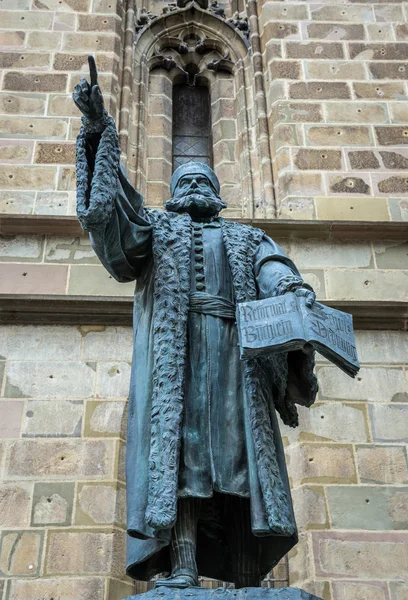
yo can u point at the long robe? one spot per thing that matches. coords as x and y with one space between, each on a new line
217 452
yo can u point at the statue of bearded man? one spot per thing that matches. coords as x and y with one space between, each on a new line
207 487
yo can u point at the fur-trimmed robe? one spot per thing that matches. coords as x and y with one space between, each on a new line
154 247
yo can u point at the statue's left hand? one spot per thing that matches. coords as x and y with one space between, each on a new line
308 294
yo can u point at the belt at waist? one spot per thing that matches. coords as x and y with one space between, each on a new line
201 302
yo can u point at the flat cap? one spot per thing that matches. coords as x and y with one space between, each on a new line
194 168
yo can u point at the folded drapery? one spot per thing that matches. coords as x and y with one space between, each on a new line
201 302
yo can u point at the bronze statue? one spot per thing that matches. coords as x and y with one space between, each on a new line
207 488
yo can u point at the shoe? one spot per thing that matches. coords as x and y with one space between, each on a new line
179 580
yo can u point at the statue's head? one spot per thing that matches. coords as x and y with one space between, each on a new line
195 190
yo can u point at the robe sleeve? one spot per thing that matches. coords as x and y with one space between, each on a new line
109 208
276 274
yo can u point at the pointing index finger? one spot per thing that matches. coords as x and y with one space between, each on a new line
93 71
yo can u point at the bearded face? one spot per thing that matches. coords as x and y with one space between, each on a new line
196 196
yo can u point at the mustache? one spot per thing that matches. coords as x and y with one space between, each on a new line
203 202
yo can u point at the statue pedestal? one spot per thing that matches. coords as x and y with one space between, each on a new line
198 593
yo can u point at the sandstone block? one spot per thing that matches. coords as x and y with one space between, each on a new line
64 21
52 503
398 112
96 504
162 105
399 590
27 177
70 62
12 202
373 285
358 112
385 91
106 419
31 342
314 254
67 179
398 208
348 185
98 23
339 135
375 384
62 105
392 135
89 42
388 13
320 463
121 589
10 417
272 51
384 70
285 69
107 343
279 30
64 5
354 209
315 90
335 70
20 553
320 50
298 112
360 590
17 278
374 507
93 280
401 31
80 588
332 12
315 278
79 552
33 104
20 248
360 555
382 346
285 135
113 380
46 418
15 502
23 19
329 422
391 255
382 464
363 159
394 186
44 40
382 32
360 51
310 508
299 184
12 38
335 31
23 127
50 379
34 82
27 60
56 459
296 207
15 151
318 159
290 12
65 249
389 422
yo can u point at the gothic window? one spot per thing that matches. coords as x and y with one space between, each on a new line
191 125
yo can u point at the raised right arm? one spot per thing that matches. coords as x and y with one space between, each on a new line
108 207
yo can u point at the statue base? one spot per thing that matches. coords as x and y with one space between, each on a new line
199 593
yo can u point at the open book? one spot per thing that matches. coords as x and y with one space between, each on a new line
285 323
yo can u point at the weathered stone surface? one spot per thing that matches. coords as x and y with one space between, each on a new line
50 153
398 208
279 30
96 504
310 508
66 249
339 135
257 593
113 380
44 40
374 384
392 135
384 91
32 342
318 159
361 51
297 112
312 254
20 553
335 31
105 419
38 82
382 464
23 127
63 458
391 255
384 70
96 281
298 183
78 588
52 503
20 248
319 90
320 50
348 185
12 202
368 285
46 418
16 151
333 12
55 379
14 38
18 60
79 552
285 69
27 177
395 160
389 422
363 159
10 417
52 203
107 343
382 346
18 20
352 209
399 590
360 590
33 104
360 555
320 463
380 32
15 502
395 185
358 112
315 278
335 70
374 507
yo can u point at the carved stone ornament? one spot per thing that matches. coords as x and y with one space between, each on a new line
144 19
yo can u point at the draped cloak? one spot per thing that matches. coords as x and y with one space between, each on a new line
199 420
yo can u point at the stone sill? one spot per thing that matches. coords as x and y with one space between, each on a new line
111 310
275 228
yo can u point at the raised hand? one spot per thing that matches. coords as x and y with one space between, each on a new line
88 98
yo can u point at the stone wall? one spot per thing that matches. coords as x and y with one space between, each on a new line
316 112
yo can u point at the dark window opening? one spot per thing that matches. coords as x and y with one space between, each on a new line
191 125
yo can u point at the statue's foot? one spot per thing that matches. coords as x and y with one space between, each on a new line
178 580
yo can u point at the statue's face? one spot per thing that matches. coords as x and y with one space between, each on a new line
195 195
